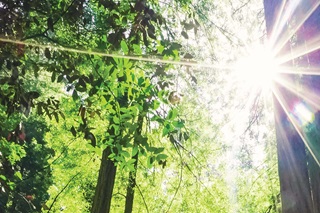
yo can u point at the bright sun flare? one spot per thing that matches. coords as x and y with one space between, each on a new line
257 70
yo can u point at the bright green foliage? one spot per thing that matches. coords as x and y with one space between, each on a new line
93 103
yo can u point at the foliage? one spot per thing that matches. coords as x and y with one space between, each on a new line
92 103
25 171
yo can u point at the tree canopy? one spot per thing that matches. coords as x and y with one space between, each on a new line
138 106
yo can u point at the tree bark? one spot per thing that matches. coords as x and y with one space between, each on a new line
130 187
292 159
307 32
293 173
133 174
104 188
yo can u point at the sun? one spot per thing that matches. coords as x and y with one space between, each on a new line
257 69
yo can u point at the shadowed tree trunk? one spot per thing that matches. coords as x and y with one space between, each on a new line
292 159
104 188
133 174
107 174
309 31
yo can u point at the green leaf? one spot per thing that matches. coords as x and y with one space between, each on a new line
160 48
137 50
47 53
131 161
111 156
18 175
135 150
140 81
157 118
56 116
53 77
178 124
124 47
155 104
165 131
184 34
3 177
150 161
125 154
11 185
75 95
116 119
104 38
161 157
172 114
158 150
73 131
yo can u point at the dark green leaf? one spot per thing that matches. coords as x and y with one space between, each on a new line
75 95
161 157
53 77
60 78
184 34
150 161
47 53
56 116
73 131
158 150
50 24
188 56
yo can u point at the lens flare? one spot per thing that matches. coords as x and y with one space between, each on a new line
303 114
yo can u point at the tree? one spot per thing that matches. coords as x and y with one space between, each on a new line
297 169
26 173
115 88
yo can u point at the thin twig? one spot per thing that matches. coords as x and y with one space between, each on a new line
55 199
180 180
144 200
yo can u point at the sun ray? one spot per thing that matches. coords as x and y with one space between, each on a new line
302 10
280 23
311 98
300 70
303 49
294 123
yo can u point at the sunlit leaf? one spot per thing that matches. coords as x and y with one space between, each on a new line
18 175
161 157
124 47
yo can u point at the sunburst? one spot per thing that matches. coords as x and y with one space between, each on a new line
293 91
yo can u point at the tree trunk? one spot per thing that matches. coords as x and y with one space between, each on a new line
104 188
293 173
314 173
292 160
131 185
133 174
307 32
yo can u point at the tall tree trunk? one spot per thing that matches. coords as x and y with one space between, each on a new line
307 33
131 185
133 174
293 173
292 162
314 173
104 188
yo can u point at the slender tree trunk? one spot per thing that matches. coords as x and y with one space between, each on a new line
131 185
104 188
292 160
133 174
